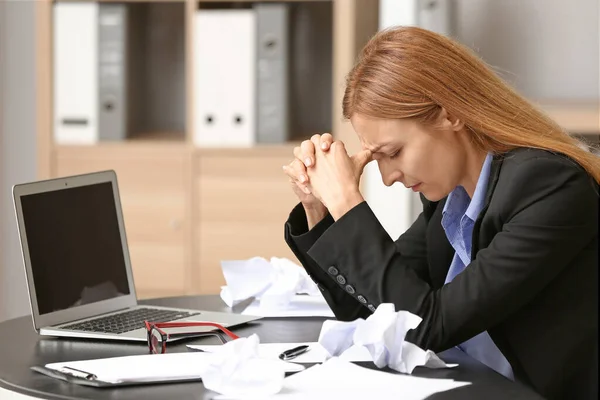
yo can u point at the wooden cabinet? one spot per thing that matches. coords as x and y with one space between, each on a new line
187 208
243 199
154 190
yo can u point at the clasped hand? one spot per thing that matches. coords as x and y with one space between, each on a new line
323 175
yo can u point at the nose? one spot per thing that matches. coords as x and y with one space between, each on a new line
388 175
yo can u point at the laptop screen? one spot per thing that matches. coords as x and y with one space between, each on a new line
74 246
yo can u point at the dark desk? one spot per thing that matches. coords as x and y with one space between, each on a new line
21 348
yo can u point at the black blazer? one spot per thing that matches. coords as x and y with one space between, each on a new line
532 283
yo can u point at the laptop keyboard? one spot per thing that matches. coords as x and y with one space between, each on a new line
128 320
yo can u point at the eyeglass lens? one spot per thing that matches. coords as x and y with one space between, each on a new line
156 341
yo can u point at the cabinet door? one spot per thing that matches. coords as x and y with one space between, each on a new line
243 203
155 191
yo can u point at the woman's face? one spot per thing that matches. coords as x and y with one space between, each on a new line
428 160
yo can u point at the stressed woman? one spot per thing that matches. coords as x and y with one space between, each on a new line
503 261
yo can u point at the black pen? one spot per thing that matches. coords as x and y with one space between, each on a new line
293 353
78 373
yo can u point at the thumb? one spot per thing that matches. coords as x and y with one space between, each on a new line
361 159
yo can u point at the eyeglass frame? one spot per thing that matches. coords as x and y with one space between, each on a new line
166 336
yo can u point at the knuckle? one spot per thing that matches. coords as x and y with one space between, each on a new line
298 165
307 145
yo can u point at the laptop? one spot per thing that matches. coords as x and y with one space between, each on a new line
77 263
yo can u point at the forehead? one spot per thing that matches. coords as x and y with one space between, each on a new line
376 133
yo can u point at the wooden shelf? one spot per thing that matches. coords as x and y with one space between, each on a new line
158 137
186 208
121 1
280 150
262 1
582 117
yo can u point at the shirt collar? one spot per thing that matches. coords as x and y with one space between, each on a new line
478 200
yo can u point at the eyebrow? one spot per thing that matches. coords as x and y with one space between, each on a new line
378 148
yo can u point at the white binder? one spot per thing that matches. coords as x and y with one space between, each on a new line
225 78
75 73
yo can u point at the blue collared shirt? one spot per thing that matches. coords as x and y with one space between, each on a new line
458 218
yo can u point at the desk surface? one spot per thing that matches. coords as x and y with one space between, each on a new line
21 348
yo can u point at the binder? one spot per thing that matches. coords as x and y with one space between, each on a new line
75 72
112 67
434 15
225 78
272 72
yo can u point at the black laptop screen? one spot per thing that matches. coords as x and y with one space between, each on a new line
74 246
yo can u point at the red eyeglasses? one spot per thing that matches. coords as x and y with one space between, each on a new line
157 338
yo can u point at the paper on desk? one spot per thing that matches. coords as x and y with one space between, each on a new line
337 378
166 367
238 369
316 354
298 306
275 285
382 334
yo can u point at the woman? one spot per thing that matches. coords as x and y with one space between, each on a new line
503 260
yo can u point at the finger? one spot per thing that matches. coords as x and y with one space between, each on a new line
307 153
326 141
316 140
361 159
292 173
339 147
303 188
299 171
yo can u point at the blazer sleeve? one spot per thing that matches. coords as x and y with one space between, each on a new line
552 216
341 296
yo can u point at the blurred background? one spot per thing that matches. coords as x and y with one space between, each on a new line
197 104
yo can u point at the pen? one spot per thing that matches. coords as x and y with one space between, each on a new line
293 353
78 373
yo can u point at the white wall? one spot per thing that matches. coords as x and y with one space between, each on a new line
17 142
548 48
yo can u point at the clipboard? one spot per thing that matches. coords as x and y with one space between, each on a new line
137 369
93 381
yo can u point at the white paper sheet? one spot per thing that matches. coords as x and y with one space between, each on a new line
150 367
340 379
298 306
316 354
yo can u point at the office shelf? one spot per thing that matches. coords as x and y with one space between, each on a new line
187 208
580 117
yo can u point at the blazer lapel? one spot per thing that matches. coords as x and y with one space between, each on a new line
441 258
494 175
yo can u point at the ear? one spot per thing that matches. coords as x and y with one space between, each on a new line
449 121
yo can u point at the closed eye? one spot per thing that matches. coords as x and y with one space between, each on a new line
394 154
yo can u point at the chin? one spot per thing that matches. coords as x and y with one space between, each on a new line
432 196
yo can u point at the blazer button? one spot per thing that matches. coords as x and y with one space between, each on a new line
371 307
350 289
341 280
362 299
333 271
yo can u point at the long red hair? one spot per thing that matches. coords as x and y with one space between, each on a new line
410 72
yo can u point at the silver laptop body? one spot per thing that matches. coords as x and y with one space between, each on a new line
77 262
